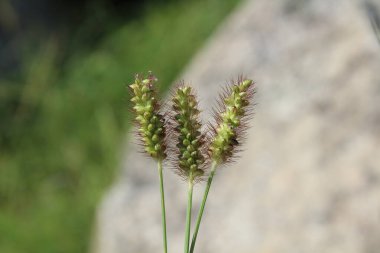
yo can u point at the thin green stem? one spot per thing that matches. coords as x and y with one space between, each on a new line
188 213
200 214
163 206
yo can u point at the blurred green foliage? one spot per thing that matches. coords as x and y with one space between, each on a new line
63 122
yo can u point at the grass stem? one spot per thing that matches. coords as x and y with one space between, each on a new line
188 214
200 214
163 206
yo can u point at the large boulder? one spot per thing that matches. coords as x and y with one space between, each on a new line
309 178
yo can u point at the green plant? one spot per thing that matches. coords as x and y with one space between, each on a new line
190 159
151 129
191 151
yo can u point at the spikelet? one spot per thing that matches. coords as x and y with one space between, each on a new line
150 122
189 139
231 121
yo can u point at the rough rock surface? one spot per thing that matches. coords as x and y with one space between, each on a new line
309 179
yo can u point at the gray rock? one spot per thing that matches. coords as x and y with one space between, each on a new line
309 179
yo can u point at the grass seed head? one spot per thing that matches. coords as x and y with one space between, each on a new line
231 120
190 159
151 127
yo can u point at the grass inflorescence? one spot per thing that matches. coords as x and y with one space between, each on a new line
151 126
195 151
235 109
189 158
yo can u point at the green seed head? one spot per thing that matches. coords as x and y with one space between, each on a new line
187 128
150 122
231 120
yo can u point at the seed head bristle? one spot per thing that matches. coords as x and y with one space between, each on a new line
235 108
151 127
190 158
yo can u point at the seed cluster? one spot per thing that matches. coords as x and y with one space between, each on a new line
228 131
191 150
188 132
150 121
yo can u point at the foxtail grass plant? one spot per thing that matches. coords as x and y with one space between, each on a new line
190 159
227 133
151 130
195 152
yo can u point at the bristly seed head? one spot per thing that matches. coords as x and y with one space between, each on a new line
150 121
190 141
231 121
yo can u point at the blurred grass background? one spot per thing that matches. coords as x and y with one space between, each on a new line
64 105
